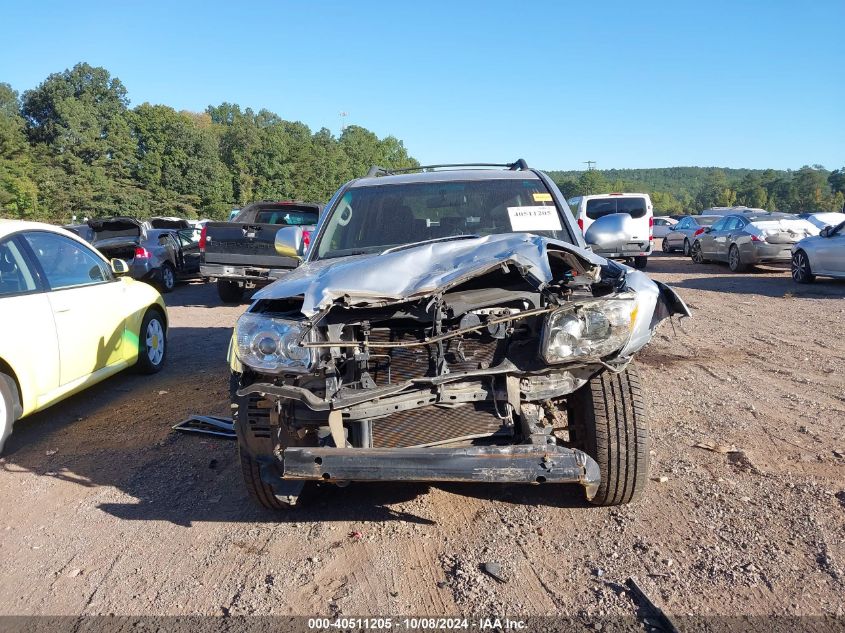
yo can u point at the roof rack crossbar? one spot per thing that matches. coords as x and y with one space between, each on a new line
375 170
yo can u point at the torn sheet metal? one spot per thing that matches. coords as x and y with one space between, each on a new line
207 425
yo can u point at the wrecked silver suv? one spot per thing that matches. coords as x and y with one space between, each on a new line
446 325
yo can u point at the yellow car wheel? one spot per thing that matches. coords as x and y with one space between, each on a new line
152 343
9 407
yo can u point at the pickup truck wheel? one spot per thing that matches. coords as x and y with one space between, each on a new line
229 291
641 262
152 343
608 421
168 278
9 407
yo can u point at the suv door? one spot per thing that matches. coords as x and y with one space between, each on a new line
189 250
26 317
87 304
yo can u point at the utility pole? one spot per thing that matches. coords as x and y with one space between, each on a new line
343 116
590 164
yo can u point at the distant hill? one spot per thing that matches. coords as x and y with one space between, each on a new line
690 189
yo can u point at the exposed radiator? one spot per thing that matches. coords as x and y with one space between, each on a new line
415 362
433 424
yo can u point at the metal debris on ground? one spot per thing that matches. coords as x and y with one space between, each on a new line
494 570
207 425
716 448
660 618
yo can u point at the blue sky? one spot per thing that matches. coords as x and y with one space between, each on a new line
627 84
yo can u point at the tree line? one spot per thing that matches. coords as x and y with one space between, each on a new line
72 146
691 189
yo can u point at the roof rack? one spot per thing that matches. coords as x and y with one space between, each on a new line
375 170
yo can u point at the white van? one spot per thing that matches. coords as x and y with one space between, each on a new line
630 238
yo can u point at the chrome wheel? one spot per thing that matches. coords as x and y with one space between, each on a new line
155 341
734 258
695 253
801 271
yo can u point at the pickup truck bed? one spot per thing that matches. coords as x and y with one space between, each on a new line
241 254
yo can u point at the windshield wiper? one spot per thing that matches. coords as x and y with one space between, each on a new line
434 239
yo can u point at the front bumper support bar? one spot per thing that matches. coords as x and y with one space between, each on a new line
521 463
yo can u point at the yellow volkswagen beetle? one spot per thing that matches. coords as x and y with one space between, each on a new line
68 319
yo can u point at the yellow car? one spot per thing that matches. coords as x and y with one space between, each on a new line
68 319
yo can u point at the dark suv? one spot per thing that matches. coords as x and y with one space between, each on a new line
446 325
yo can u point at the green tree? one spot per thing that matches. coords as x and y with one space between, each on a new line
592 182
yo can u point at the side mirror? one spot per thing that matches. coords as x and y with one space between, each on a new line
119 267
289 242
825 232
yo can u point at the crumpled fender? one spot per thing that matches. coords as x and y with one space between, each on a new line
655 302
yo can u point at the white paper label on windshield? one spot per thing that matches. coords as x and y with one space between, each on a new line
535 218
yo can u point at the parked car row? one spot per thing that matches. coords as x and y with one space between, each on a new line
810 243
159 250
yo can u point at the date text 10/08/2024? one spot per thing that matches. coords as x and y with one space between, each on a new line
416 624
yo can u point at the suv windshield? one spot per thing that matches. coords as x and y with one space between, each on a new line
374 218
600 207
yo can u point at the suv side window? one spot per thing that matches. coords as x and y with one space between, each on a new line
66 263
15 275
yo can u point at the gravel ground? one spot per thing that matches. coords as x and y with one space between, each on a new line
106 511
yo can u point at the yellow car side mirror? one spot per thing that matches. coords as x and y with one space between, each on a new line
119 267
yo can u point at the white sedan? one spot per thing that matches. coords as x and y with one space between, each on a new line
68 319
662 226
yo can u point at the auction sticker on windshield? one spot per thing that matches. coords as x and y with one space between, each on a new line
534 218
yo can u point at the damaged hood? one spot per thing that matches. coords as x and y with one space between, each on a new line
415 271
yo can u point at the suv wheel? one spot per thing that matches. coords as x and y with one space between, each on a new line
168 277
255 434
735 261
229 291
608 420
9 407
801 271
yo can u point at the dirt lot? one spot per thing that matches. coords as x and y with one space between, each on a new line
105 510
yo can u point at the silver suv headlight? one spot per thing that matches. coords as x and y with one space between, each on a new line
272 345
588 331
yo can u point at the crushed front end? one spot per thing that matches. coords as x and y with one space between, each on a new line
460 373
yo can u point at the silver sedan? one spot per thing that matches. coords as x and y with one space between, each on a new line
822 254
681 236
